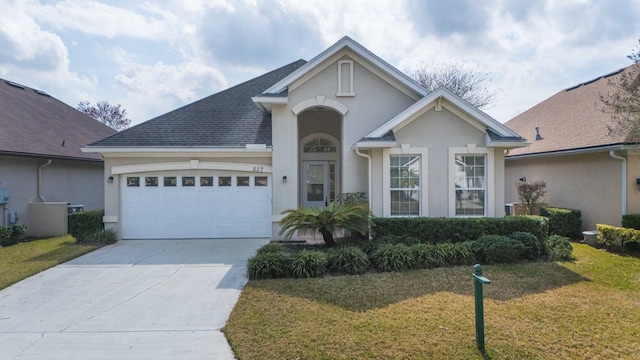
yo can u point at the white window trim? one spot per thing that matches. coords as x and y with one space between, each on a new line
405 149
490 190
347 77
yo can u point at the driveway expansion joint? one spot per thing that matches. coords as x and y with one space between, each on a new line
123 301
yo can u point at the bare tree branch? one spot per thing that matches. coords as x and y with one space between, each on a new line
468 83
622 102
111 115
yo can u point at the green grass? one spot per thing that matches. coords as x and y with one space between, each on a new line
22 260
586 309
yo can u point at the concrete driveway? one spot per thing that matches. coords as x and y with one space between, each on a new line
137 299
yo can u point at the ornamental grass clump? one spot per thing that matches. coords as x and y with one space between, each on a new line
393 257
269 266
308 264
348 260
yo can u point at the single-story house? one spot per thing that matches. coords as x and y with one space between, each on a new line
41 161
346 121
583 166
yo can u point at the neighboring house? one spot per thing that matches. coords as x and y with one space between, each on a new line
40 156
346 121
584 167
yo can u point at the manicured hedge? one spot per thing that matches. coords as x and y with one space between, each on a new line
563 222
612 235
438 230
86 223
631 221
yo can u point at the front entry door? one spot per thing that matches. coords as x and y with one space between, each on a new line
317 183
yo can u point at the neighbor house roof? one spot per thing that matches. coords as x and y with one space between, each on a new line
570 120
227 119
33 123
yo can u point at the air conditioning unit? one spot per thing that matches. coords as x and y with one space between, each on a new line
509 210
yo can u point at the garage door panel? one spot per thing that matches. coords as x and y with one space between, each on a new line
196 211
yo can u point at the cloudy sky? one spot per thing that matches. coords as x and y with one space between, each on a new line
156 55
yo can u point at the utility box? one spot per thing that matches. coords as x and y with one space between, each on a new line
4 196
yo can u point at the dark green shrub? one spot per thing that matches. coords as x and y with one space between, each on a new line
270 248
563 222
435 230
532 246
99 237
85 223
269 266
9 235
631 221
494 249
428 256
397 239
612 235
390 257
348 260
559 248
5 236
308 263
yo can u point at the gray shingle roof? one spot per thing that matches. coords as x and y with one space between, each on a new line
33 123
225 119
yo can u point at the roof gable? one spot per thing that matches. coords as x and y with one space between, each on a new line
335 50
496 131
572 119
34 123
227 119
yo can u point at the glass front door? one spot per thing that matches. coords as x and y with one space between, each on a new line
319 177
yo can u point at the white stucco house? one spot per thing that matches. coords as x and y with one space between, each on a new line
346 121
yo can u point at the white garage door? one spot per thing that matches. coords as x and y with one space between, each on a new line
195 205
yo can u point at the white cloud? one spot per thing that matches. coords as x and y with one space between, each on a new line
150 90
24 43
96 18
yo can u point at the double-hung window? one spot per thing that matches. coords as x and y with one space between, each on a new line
404 181
470 184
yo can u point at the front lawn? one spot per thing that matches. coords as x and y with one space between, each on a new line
587 309
22 260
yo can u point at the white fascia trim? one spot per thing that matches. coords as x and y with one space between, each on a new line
570 152
374 144
490 191
190 165
405 149
347 42
138 150
419 107
267 102
507 144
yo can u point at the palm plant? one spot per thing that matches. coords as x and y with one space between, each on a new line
326 220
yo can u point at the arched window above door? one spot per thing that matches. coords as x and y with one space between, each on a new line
319 145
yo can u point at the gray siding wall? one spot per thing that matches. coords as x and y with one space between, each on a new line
75 182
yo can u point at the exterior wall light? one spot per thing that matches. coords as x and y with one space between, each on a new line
284 179
110 179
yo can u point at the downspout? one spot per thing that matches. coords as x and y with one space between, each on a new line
369 181
612 153
39 180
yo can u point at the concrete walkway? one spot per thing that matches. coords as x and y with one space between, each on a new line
137 299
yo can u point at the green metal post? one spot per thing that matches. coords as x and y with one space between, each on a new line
477 289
